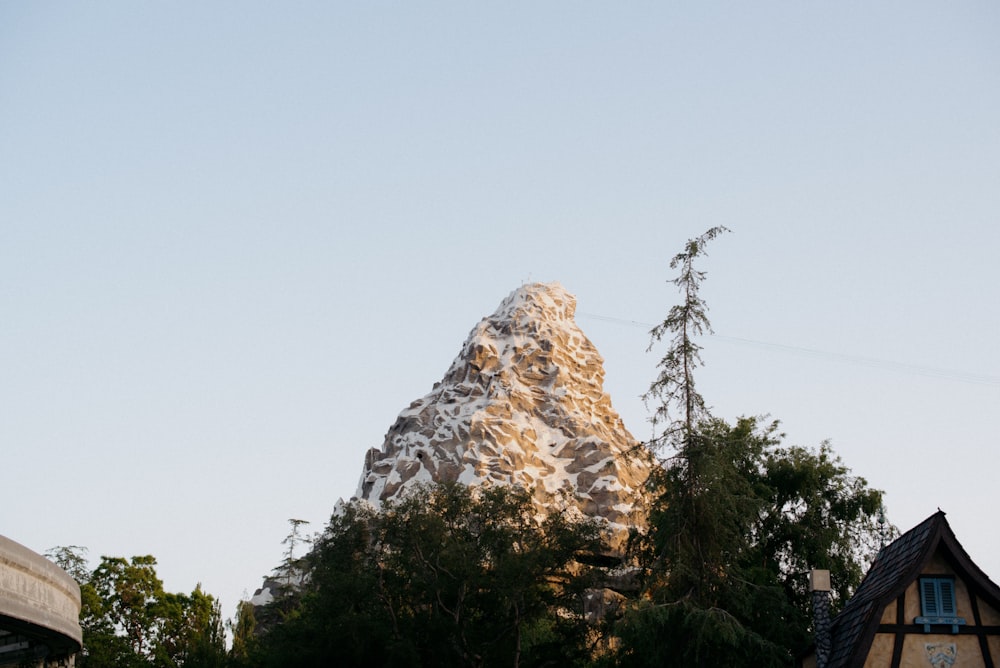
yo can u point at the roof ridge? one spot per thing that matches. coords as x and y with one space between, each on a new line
896 562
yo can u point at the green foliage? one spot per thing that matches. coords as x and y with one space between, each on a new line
680 407
736 520
131 601
445 577
454 577
818 516
725 559
72 559
128 620
684 634
294 538
706 504
244 629
193 634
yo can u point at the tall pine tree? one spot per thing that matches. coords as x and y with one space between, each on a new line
730 510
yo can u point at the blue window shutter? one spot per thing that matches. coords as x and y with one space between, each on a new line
937 603
946 600
929 598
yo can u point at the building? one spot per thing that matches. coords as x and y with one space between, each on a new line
923 602
39 610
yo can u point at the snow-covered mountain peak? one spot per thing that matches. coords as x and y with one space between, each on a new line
522 404
542 300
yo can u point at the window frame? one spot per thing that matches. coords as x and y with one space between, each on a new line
938 602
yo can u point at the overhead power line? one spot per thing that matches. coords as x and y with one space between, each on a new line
873 362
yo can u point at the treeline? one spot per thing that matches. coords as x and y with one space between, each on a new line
448 576
464 577
129 621
451 576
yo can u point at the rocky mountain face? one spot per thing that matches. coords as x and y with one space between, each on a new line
522 404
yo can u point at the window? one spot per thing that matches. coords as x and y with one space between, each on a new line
937 597
937 603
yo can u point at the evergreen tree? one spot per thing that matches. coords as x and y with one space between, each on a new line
680 407
293 540
705 528
736 518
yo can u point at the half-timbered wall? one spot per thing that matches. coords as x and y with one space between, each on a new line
900 642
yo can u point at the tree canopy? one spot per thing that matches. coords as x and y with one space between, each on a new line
453 576
129 621
448 576
736 518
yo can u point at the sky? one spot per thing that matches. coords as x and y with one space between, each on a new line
238 238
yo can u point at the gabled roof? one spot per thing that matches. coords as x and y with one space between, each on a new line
895 567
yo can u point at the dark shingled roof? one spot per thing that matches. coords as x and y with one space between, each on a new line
895 567
878 588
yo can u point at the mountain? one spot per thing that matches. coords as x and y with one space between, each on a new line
524 404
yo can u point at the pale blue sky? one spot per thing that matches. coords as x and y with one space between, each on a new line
236 239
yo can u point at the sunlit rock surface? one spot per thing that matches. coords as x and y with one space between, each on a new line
522 404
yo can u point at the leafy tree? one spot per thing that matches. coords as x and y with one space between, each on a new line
128 620
447 576
736 518
192 633
132 600
817 515
244 629
72 559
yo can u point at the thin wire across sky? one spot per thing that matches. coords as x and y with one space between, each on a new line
858 360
